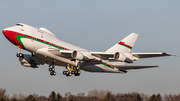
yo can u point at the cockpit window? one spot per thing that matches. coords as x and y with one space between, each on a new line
19 25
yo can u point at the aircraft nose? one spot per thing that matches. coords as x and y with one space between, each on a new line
11 36
4 31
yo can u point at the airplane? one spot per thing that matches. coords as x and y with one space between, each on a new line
46 48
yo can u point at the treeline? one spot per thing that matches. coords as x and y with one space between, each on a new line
93 95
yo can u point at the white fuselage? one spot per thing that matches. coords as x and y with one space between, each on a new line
33 40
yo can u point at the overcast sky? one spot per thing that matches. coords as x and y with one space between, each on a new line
95 25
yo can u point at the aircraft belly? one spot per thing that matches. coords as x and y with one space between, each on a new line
58 63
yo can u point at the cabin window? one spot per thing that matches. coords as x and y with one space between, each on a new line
19 25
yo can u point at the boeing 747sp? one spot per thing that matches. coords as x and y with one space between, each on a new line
46 48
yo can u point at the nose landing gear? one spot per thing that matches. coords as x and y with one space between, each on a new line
19 54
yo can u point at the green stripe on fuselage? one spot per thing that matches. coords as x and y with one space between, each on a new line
18 37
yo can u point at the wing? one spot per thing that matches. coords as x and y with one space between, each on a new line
99 56
53 54
103 55
128 67
131 56
150 55
73 53
58 52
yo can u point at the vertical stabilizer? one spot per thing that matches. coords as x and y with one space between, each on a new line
124 45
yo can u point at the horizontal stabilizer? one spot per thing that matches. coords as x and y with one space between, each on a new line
132 66
149 55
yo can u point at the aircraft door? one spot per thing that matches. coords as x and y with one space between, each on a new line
33 41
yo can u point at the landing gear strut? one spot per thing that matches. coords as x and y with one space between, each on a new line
19 54
52 69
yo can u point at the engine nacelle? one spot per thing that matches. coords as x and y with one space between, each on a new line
78 56
121 57
25 58
26 61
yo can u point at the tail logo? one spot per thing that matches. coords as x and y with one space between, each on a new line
125 45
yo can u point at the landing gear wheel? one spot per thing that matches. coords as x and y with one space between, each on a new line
72 72
50 69
67 72
52 73
77 73
64 72
19 54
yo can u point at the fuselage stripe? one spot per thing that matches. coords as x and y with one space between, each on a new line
18 36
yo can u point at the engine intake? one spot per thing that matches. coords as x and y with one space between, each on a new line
79 56
121 57
26 61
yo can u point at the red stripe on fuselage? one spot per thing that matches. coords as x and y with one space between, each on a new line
10 35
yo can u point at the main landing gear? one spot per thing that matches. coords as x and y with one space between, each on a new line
52 69
72 70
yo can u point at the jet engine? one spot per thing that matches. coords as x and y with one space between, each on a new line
121 57
79 56
26 61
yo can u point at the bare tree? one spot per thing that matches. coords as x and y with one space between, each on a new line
171 97
2 92
98 93
42 98
93 93
19 97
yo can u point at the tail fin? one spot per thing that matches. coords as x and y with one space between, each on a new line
124 45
